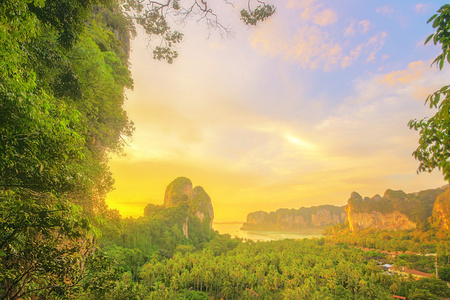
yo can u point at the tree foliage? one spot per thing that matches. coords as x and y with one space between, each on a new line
61 98
155 17
434 147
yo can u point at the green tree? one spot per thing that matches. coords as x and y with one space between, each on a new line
155 16
47 159
434 147
444 273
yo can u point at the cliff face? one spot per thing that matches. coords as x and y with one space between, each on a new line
377 220
397 210
292 219
183 204
200 205
257 217
441 211
180 191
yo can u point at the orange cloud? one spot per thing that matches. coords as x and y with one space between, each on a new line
363 26
370 49
414 72
350 30
310 46
325 17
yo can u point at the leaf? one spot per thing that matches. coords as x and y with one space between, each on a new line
432 18
429 38
436 22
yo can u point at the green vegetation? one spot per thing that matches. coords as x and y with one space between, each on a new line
400 240
287 269
58 124
434 149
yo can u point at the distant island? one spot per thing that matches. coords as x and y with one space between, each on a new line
396 210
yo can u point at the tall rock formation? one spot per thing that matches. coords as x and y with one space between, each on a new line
295 219
181 192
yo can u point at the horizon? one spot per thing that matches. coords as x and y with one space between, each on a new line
302 110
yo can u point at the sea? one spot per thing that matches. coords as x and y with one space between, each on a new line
234 229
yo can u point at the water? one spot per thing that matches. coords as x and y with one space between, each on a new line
233 229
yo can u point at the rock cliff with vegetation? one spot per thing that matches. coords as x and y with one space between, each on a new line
441 211
191 206
294 219
397 210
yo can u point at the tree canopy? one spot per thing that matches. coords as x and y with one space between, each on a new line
434 147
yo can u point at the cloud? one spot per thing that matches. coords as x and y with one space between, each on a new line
325 17
413 72
363 26
386 10
313 48
369 49
350 30
372 121
421 8
310 46
418 78
312 43
300 4
310 10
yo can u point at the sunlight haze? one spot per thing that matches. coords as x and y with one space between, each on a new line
302 110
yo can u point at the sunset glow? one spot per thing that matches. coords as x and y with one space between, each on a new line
300 111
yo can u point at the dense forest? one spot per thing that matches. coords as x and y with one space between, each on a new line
63 74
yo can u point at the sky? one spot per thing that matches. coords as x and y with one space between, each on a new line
298 111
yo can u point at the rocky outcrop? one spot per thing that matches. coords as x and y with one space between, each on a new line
177 191
181 192
377 220
200 205
397 210
186 228
295 219
257 217
324 217
441 211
